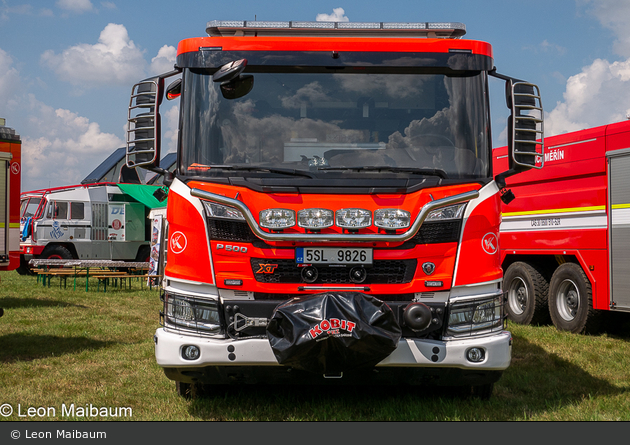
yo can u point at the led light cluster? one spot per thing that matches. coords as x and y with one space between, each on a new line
351 219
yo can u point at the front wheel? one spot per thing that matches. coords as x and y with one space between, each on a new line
527 292
57 252
571 300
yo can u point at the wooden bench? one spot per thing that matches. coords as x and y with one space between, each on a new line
102 275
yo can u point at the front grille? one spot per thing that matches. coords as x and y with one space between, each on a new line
287 271
438 232
227 230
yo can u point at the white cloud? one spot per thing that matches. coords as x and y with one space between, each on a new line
338 15
78 6
9 83
108 5
62 147
115 59
599 95
164 60
614 15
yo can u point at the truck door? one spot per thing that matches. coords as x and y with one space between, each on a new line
619 223
5 159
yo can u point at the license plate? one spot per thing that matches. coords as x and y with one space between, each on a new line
332 255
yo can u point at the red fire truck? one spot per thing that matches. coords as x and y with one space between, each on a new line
10 181
334 215
565 238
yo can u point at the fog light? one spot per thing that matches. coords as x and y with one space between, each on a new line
277 219
191 352
353 218
475 355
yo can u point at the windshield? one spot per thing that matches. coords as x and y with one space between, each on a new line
324 121
29 206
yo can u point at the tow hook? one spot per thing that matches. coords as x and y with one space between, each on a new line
243 322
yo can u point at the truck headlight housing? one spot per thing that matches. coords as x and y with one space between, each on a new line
392 218
277 219
447 213
220 211
201 316
353 218
315 219
475 317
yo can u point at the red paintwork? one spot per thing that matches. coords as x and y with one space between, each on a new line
577 179
193 263
236 265
15 148
396 45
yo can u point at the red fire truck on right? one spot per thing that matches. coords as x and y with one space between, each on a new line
565 238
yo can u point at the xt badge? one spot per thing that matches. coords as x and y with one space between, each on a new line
266 268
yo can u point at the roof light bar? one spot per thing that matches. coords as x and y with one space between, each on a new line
453 30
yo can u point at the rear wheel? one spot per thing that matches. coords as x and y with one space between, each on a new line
527 294
571 300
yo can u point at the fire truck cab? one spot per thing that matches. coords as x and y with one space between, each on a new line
334 215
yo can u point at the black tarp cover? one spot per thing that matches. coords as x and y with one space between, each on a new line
332 332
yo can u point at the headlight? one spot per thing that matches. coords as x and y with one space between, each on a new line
475 317
392 218
220 211
200 315
445 213
277 218
353 218
315 218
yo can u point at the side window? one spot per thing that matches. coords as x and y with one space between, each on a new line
76 210
60 210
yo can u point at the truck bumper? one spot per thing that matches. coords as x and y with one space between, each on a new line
444 359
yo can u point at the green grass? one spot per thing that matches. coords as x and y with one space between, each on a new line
64 346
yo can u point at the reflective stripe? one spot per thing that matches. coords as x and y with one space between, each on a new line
589 219
554 211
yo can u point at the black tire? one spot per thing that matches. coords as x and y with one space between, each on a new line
144 254
483 392
571 300
189 391
23 268
527 294
56 252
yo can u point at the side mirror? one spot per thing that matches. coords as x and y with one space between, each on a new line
525 126
230 71
238 87
174 90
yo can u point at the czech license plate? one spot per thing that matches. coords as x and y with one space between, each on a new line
332 255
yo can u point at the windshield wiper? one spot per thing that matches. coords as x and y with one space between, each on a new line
420 171
284 171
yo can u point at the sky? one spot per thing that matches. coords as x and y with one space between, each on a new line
67 66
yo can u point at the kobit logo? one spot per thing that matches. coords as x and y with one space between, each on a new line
331 327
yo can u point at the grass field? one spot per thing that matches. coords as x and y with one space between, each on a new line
60 347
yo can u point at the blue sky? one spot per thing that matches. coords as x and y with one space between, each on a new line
67 66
